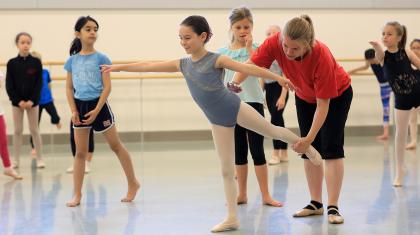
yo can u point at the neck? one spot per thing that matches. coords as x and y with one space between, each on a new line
199 54
393 48
237 45
23 54
87 49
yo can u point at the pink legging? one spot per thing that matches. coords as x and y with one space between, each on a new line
4 152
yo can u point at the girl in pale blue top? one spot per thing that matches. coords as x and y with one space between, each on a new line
203 73
240 49
87 90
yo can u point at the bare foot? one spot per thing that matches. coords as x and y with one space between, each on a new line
411 146
271 202
131 193
75 201
12 173
242 200
382 137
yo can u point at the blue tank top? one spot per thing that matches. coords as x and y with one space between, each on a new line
379 73
205 83
401 76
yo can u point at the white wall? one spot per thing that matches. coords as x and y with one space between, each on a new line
153 34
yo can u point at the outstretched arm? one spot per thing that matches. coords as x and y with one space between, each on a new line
253 70
358 69
239 77
165 66
379 52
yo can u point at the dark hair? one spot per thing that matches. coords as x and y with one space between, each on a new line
20 35
401 31
414 41
199 25
370 54
76 44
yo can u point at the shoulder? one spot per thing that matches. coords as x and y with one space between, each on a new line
103 57
12 61
223 50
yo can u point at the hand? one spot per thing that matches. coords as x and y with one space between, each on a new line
248 41
302 145
29 104
284 82
75 118
281 102
91 116
234 87
107 68
22 104
374 43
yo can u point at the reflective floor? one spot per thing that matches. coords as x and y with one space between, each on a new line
182 194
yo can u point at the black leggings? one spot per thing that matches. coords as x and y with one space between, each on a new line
256 142
73 144
52 111
272 94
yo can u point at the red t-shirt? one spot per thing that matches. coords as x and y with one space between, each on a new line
317 75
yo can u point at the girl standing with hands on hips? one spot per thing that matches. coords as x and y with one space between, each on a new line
87 90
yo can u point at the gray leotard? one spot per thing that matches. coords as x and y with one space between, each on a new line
219 105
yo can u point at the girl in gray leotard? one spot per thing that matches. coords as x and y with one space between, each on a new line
204 72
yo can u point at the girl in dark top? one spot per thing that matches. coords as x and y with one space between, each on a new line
385 91
23 85
415 47
397 63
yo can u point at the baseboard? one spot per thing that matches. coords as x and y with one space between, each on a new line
63 138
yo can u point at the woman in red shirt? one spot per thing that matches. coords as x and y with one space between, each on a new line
323 99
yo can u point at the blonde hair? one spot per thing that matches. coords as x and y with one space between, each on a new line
238 14
301 29
401 31
36 54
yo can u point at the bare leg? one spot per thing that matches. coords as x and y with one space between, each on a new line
223 138
242 177
334 173
81 137
252 120
115 144
262 177
314 177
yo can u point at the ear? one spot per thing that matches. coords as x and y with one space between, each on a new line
203 36
77 34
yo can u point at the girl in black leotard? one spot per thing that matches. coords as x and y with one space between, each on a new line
397 63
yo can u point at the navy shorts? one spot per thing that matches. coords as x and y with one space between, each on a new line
330 139
103 121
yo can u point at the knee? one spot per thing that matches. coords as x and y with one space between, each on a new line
228 173
116 147
259 160
80 154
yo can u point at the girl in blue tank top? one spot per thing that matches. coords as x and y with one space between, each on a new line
397 63
203 72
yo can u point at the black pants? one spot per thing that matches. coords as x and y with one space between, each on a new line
272 94
256 142
330 139
73 144
52 111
